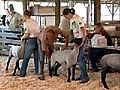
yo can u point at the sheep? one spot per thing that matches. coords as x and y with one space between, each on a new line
17 52
110 63
68 57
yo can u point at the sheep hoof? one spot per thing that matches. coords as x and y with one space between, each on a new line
68 81
107 88
96 70
73 79
56 75
50 74
6 69
13 74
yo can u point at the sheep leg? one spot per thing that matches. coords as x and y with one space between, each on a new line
103 76
9 58
69 74
49 68
51 50
55 68
16 66
73 72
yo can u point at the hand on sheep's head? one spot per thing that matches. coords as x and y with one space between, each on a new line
63 47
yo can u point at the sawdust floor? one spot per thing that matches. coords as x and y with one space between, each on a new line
31 81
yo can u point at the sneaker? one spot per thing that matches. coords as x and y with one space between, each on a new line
41 77
96 70
22 75
84 81
77 79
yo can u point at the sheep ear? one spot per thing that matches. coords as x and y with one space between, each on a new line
65 62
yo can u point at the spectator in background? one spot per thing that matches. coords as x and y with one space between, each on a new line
96 53
4 16
79 33
12 20
100 29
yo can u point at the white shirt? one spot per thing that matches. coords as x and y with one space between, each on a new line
76 23
32 27
65 24
98 41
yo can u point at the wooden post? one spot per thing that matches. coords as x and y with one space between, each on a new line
57 12
25 4
4 3
97 11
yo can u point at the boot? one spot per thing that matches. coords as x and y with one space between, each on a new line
41 76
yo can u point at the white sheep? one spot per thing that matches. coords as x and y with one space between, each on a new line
68 57
17 52
110 63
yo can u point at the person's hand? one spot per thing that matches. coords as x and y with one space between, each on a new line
22 38
81 45
64 47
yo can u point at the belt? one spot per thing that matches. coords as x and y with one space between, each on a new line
32 38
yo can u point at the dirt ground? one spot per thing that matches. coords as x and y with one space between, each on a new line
31 81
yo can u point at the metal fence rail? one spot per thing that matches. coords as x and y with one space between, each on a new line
7 39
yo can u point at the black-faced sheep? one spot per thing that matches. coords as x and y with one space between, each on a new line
110 63
17 52
68 57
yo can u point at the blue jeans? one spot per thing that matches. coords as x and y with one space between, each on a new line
94 54
31 46
82 63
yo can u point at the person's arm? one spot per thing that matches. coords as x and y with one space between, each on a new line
83 30
62 33
26 34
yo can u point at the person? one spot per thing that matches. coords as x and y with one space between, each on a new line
65 25
100 29
4 16
13 18
79 32
97 53
32 31
47 38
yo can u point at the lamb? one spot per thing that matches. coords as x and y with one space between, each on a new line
110 63
17 52
68 57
